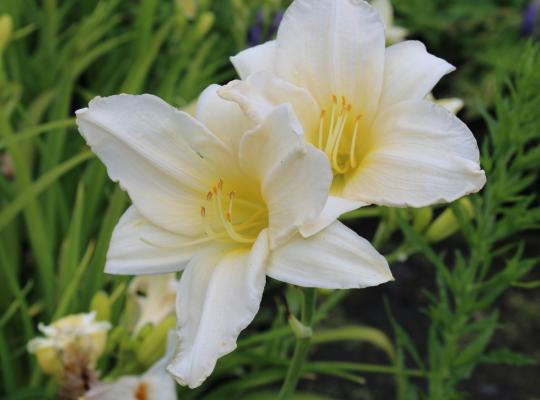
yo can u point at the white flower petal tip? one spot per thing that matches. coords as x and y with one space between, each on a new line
255 59
334 258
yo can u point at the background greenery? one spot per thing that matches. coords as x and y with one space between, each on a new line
459 321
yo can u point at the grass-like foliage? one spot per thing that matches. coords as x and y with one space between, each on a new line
58 207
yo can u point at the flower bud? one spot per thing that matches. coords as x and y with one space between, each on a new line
421 218
153 345
446 224
6 27
101 304
204 24
188 8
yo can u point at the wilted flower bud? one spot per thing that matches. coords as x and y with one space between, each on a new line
78 331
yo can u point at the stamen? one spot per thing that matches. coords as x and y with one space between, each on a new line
338 135
229 227
209 196
352 155
203 212
321 128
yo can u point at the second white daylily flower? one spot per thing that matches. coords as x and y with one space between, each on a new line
363 105
224 204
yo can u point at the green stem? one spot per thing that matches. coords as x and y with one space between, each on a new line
301 347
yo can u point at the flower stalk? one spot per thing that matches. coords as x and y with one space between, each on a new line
301 347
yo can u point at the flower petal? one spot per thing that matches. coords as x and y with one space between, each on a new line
123 388
160 155
334 207
140 247
219 295
410 73
335 258
333 47
223 118
295 177
262 91
254 59
160 387
423 155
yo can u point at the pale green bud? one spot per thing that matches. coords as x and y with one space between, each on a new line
204 24
446 224
421 218
153 345
6 28
188 8
101 304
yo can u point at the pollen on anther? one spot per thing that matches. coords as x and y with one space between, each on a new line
231 195
220 184
334 99
203 212
209 196
323 114
358 117
229 216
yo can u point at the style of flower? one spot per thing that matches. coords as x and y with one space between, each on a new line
154 384
78 333
225 204
155 298
363 105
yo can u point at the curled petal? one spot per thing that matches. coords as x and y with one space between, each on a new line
220 293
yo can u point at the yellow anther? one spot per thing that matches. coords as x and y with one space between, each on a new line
209 196
203 212
220 184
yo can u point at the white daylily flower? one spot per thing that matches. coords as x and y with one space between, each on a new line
394 34
224 204
363 105
155 296
154 384
79 330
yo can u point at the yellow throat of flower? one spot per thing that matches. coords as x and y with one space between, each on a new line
228 217
338 135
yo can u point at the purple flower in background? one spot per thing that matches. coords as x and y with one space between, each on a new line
531 16
258 33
